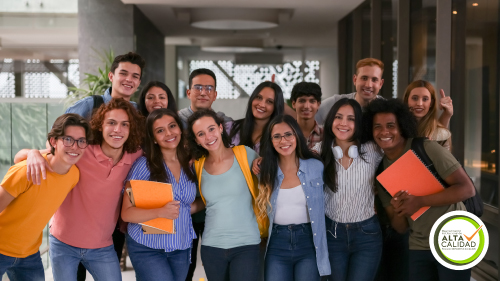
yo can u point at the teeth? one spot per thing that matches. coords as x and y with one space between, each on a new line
285 147
343 131
385 139
210 143
157 107
172 139
117 137
128 86
72 154
260 110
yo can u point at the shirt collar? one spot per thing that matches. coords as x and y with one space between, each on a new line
107 95
301 168
101 157
316 129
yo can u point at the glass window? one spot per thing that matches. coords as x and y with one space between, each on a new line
480 24
423 40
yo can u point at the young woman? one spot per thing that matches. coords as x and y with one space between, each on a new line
420 96
230 245
265 102
162 256
353 231
156 95
292 195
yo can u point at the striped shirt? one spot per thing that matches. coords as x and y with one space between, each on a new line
354 199
185 192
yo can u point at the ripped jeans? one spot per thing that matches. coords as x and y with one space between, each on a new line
354 249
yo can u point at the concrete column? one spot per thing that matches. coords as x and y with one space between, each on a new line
110 24
103 24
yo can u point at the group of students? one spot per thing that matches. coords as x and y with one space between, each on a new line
288 195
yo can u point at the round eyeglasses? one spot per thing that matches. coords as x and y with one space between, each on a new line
69 141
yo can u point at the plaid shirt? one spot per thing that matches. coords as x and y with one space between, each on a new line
315 136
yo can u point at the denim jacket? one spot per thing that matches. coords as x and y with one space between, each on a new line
311 176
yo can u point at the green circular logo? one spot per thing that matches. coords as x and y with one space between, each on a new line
459 240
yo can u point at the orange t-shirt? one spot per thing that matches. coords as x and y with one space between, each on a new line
23 220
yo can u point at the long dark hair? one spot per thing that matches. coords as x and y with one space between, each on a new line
245 126
270 157
199 151
172 105
153 152
330 172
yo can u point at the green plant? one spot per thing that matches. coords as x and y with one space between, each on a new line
93 84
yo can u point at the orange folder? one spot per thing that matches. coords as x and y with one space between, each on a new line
152 195
409 173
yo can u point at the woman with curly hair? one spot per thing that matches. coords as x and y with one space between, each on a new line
156 95
392 126
292 196
353 231
82 228
162 256
420 96
230 245
265 102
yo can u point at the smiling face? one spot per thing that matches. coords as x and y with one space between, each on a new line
387 134
343 126
125 79
69 155
420 102
115 128
306 107
167 132
368 82
202 99
285 145
156 98
208 133
263 104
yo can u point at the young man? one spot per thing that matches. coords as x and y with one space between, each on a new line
202 93
25 209
367 81
125 76
393 127
82 228
306 99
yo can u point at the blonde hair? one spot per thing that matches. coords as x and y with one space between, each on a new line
263 199
369 62
428 124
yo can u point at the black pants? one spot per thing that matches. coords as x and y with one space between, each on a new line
395 261
423 266
198 229
118 242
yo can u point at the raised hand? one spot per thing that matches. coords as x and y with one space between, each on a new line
446 103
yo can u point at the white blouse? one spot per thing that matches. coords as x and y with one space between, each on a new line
354 199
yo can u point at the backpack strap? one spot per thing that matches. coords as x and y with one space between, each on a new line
417 145
98 101
198 166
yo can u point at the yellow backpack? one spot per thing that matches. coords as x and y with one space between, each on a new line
253 184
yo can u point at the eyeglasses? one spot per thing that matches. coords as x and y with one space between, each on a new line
69 141
198 88
288 136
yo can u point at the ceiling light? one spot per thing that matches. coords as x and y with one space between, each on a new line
455 12
475 4
237 19
232 45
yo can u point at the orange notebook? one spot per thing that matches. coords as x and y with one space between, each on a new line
409 173
152 195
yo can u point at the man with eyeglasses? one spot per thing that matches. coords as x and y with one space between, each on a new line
25 209
202 93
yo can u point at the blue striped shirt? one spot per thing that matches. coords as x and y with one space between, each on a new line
185 192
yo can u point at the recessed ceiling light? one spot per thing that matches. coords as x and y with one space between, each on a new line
232 45
237 19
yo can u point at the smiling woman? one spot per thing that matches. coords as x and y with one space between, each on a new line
230 245
265 102
156 95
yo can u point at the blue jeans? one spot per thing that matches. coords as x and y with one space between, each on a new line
235 264
291 254
423 266
102 263
354 249
394 263
22 269
156 264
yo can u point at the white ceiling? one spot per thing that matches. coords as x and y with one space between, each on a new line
313 23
